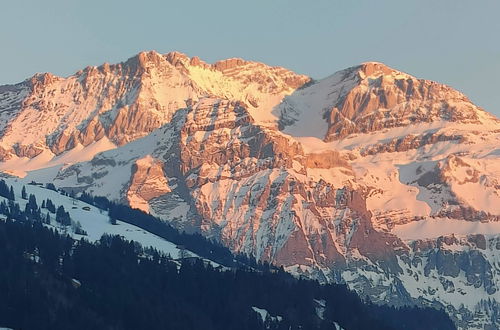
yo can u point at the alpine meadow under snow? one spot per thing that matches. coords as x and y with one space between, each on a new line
369 177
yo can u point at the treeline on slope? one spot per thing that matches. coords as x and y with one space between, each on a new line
194 242
34 212
51 281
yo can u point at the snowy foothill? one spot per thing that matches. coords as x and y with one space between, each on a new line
93 220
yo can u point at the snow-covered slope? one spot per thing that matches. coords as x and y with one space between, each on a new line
94 221
370 176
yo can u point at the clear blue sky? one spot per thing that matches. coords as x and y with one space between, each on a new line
456 42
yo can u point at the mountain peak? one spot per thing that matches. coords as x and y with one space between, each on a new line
376 69
372 68
176 58
372 97
40 79
148 57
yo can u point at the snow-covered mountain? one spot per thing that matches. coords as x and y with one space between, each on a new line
100 108
370 176
372 97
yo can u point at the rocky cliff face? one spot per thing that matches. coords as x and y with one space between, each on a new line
370 176
126 101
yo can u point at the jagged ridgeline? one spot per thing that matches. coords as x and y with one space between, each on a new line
51 281
370 177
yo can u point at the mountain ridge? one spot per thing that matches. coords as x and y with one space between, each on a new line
123 101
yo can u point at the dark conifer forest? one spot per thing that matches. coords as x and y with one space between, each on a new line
51 281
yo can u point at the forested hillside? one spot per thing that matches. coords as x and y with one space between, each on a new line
50 281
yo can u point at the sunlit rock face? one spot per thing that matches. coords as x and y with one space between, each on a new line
126 101
370 176
372 97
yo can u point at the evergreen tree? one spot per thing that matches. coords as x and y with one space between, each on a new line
77 228
51 186
50 206
27 211
15 211
23 193
4 190
3 208
112 220
32 202
60 213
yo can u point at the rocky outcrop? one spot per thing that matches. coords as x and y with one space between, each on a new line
386 98
410 142
229 64
326 159
148 182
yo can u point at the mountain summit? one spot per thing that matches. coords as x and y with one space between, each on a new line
371 97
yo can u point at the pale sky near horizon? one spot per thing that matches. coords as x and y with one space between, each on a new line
455 42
